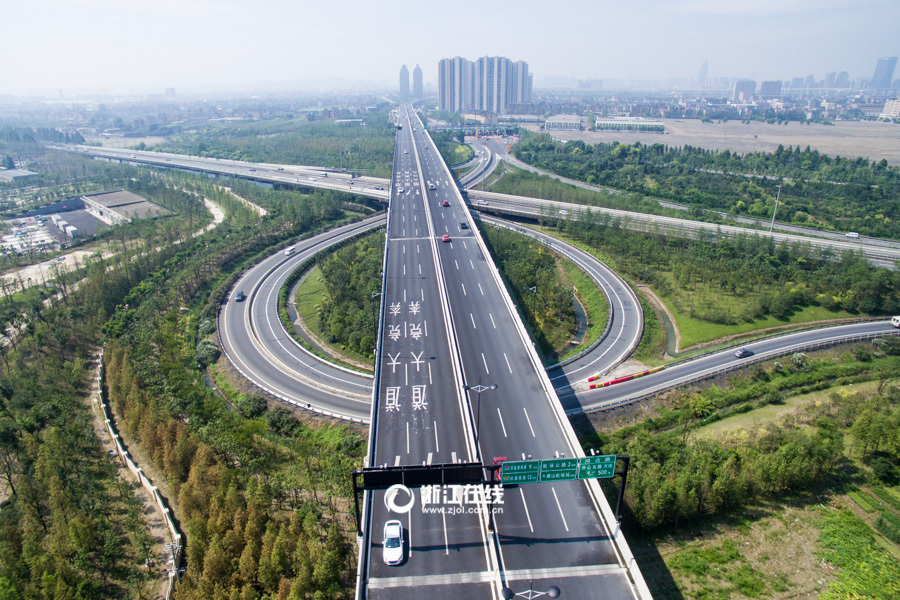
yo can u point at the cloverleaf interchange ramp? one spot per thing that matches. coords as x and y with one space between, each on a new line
530 541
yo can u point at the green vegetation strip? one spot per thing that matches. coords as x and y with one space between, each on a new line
866 569
816 190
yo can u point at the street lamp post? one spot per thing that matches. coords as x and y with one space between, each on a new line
478 389
774 212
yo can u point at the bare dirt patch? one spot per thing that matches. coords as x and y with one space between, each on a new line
775 544
868 139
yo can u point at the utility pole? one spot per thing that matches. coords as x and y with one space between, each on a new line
774 212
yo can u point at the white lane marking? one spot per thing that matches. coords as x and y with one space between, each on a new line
404 270
425 323
453 456
507 363
429 376
417 248
474 326
471 264
404 295
437 445
484 360
446 543
456 263
397 461
559 507
406 373
420 269
501 423
422 294
529 422
492 320
527 514
404 248
464 289
428 460
481 290
409 528
407 437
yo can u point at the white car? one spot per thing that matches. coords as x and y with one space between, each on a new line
393 543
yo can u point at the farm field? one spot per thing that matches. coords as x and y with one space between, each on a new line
873 140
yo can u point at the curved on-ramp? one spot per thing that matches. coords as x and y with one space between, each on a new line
255 341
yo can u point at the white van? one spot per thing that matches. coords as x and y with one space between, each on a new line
895 321
851 234
290 250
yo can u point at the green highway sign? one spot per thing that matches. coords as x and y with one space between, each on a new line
593 467
520 471
559 469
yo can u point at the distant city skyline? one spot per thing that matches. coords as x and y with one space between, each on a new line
144 45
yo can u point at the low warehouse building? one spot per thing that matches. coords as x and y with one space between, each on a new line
121 206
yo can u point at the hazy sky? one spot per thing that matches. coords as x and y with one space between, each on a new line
131 45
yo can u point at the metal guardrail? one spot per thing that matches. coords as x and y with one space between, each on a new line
734 367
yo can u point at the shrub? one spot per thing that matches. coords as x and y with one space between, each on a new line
885 470
207 353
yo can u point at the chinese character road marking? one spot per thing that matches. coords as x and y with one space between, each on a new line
392 402
418 397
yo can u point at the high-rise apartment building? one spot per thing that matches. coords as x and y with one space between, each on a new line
490 84
842 81
829 80
418 88
884 73
404 82
744 90
704 74
769 89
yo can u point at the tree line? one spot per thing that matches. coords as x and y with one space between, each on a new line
535 282
816 190
348 314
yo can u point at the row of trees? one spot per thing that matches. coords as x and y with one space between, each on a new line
352 274
833 193
537 285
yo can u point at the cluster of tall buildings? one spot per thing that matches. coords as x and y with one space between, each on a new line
418 89
745 89
491 84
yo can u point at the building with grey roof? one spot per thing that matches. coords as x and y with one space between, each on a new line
121 206
9 175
